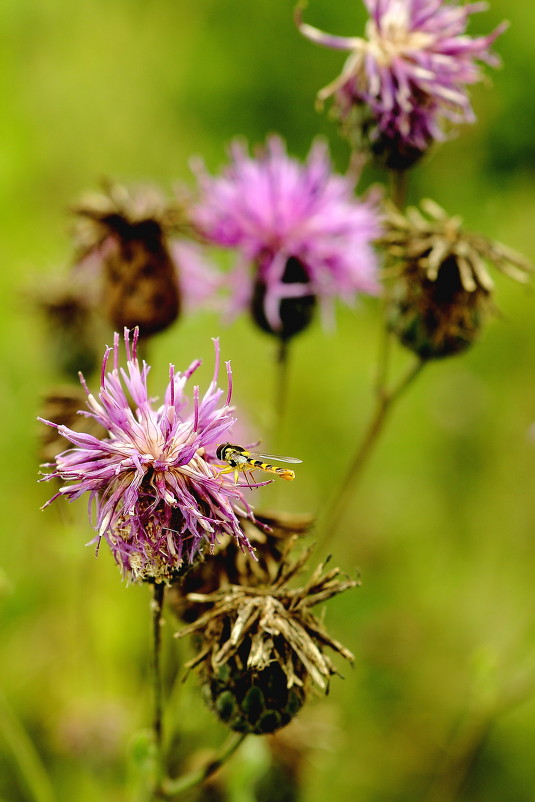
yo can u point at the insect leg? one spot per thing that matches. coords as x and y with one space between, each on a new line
228 469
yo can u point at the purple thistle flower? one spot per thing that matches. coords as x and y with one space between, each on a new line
411 70
158 495
298 229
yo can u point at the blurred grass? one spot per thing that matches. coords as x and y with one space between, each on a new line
442 527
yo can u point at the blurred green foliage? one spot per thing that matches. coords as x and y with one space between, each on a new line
438 706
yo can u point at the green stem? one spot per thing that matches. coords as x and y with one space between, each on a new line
28 760
385 343
281 389
157 717
175 787
399 180
385 400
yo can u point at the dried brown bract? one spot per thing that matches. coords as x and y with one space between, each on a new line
269 535
261 649
442 287
66 305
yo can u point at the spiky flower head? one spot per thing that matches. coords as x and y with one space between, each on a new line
134 241
299 232
261 649
404 84
159 498
442 287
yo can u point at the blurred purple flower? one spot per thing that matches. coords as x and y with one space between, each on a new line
298 229
199 279
411 70
158 495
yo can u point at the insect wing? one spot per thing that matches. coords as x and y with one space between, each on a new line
276 457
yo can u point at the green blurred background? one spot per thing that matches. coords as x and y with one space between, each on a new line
438 706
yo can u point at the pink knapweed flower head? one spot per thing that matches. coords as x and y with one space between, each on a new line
407 77
299 232
157 493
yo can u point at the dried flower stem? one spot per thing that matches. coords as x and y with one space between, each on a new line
459 760
385 347
384 398
384 403
157 720
173 788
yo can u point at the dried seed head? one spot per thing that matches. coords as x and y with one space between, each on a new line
442 288
62 406
128 234
67 305
260 649
439 318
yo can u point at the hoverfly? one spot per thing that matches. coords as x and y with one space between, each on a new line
239 459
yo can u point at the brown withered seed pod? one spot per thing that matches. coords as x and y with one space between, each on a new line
140 282
441 289
128 233
260 649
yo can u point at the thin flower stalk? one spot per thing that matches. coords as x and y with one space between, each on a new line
171 788
385 401
157 720
24 753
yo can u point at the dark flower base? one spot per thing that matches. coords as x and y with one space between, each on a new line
437 319
295 313
253 702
